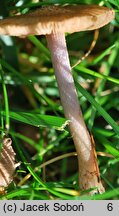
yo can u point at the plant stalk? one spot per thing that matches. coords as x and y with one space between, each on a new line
89 176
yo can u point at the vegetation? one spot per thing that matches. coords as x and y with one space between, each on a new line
30 108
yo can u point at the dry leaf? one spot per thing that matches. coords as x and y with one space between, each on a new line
7 163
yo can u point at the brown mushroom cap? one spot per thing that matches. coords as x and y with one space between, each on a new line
55 19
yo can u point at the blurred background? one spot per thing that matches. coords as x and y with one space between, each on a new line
34 113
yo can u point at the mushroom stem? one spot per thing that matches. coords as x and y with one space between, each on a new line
88 168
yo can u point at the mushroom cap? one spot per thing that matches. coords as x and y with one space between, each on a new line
57 19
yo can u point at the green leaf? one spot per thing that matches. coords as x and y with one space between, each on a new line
100 109
39 120
96 74
114 2
103 54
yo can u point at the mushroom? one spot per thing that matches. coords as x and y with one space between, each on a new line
54 21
